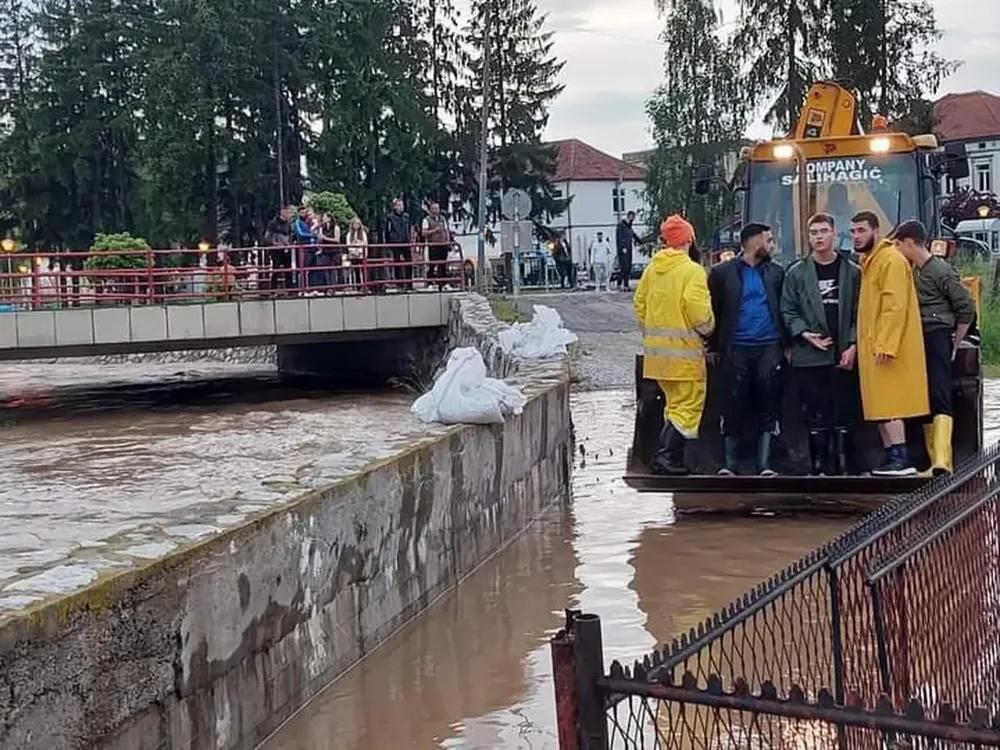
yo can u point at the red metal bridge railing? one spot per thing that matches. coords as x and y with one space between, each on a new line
41 281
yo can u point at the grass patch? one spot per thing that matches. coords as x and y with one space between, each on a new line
506 312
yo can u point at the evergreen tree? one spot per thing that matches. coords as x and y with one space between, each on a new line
696 118
884 50
779 45
523 83
18 72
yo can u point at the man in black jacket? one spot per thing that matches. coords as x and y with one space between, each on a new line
749 342
400 234
625 239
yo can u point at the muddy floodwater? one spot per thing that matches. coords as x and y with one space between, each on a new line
157 457
474 671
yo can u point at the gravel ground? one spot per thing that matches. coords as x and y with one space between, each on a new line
606 327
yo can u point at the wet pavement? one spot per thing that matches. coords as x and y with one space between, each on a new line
125 474
473 671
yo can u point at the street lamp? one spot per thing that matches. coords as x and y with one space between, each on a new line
983 211
203 246
8 245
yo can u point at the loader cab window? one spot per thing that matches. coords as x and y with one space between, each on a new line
885 184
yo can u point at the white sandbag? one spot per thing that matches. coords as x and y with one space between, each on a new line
542 338
463 394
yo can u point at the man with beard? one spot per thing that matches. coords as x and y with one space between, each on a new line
819 305
864 233
749 342
891 361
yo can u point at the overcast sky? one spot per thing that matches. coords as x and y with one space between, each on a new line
613 62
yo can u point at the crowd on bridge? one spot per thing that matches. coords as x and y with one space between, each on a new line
335 259
871 332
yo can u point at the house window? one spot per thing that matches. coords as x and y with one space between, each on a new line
618 200
984 177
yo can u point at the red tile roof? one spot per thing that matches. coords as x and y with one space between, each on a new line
579 162
975 114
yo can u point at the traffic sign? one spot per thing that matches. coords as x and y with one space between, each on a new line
516 204
511 240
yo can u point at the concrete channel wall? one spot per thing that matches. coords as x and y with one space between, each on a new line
214 646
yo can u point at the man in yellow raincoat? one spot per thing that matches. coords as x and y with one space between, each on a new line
675 315
891 360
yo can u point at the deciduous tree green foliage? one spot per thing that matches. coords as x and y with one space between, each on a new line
715 82
179 120
696 117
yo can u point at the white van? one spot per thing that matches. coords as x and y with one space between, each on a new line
986 231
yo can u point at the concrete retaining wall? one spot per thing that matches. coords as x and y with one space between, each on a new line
216 645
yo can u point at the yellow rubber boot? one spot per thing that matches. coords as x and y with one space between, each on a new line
929 443
941 458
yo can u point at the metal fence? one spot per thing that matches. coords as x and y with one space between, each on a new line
38 281
886 635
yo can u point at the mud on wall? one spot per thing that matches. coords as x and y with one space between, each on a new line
216 645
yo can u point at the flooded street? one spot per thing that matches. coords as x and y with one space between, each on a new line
473 672
125 474
160 456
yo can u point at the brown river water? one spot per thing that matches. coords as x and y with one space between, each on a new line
167 454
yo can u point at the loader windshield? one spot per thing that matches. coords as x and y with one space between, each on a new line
886 184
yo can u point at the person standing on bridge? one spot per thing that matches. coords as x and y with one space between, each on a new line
891 359
819 306
749 343
946 314
400 235
674 312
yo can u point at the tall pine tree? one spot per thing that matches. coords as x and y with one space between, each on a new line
523 82
695 115
884 50
778 43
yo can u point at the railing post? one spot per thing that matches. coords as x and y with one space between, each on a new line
564 682
588 653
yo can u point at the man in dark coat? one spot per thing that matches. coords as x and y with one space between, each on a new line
749 343
625 239
819 307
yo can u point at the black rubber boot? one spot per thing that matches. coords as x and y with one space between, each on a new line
819 453
669 459
844 453
765 442
730 454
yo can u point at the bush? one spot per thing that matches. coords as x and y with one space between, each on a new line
335 204
110 252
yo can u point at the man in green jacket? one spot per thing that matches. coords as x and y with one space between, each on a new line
946 312
819 305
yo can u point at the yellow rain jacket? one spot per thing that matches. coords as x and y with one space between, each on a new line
889 323
673 305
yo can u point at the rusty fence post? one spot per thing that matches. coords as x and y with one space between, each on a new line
564 682
588 652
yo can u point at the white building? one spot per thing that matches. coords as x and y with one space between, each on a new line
603 188
972 118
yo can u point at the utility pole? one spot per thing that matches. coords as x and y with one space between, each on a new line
484 152
277 114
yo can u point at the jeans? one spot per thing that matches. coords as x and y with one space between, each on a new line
828 397
318 260
601 275
753 377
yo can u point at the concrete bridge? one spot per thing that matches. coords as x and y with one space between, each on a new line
314 335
